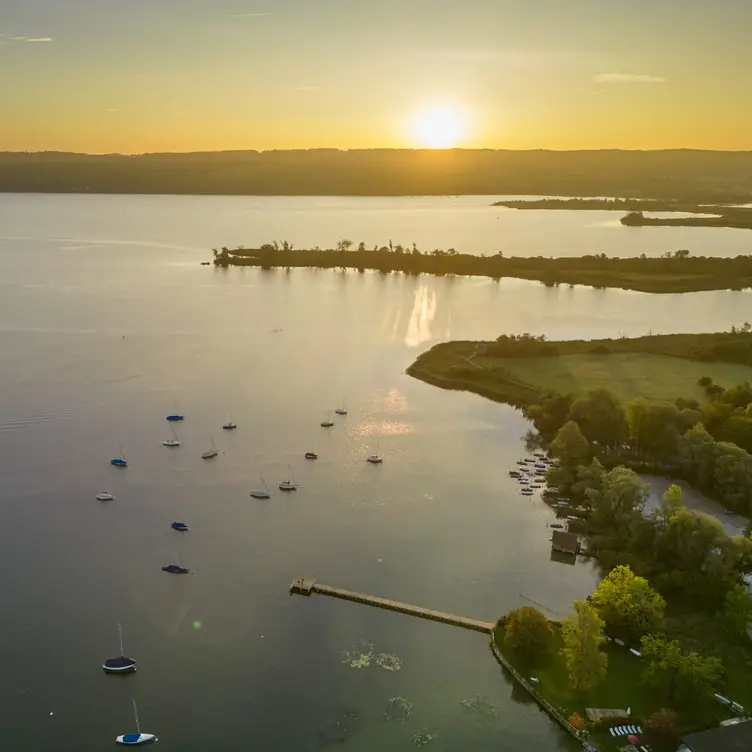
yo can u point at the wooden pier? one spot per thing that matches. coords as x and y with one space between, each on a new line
306 586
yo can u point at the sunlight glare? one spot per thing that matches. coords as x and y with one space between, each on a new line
438 128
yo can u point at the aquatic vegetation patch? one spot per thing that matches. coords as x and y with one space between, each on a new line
423 737
358 655
389 661
398 709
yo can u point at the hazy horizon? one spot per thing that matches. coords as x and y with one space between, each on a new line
106 77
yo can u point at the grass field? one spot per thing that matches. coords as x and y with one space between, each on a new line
622 688
659 378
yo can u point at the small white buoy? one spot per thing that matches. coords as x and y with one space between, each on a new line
379 560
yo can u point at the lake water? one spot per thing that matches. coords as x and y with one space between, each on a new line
108 323
467 223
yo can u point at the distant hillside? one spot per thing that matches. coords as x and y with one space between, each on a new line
697 176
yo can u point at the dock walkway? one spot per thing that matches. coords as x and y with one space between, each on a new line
306 586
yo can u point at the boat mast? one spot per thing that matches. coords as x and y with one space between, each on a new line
120 632
135 712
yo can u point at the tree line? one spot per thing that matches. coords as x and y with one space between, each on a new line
707 446
698 176
678 273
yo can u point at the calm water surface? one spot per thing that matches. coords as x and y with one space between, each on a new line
468 223
100 340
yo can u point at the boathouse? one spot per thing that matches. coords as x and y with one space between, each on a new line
567 543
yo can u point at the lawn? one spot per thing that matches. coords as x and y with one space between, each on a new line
623 688
659 378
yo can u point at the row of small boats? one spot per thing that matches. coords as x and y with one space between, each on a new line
531 473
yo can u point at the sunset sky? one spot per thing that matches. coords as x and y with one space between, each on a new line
183 75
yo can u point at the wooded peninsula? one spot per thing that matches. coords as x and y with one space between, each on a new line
674 273
664 639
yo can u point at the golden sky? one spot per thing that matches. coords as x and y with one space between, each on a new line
184 75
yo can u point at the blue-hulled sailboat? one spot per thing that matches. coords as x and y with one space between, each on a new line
179 526
120 461
176 568
122 664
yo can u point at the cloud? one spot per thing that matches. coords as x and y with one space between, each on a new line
248 15
31 39
635 78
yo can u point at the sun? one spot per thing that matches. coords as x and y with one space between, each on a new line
438 128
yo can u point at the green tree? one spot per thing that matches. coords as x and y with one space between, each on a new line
661 731
528 633
582 635
672 501
601 418
344 245
628 605
572 450
737 610
684 677
620 498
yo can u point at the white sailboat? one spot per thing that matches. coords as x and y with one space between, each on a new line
173 442
138 738
289 484
375 459
262 493
229 426
341 410
104 496
209 453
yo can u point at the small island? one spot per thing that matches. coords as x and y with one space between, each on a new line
675 272
737 217
740 219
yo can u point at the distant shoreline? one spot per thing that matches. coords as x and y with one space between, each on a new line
676 274
690 176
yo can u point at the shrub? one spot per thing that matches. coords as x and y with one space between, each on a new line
705 381
577 721
661 731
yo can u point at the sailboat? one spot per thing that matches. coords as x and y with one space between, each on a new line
104 496
120 461
229 426
289 484
375 459
341 410
261 494
173 442
182 526
327 422
176 415
209 453
176 568
311 455
122 664
134 740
